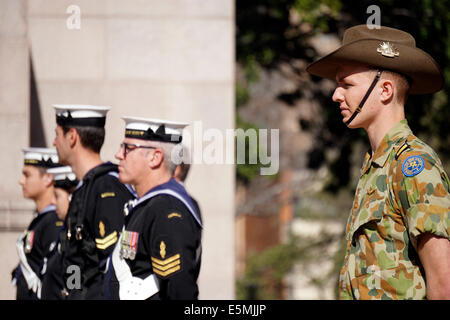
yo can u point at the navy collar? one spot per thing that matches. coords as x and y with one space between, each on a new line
48 208
80 183
173 188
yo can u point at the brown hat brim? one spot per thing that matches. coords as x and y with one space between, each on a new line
420 67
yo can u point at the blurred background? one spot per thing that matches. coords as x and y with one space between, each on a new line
229 64
290 227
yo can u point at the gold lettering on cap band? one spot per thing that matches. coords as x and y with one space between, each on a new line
134 132
31 161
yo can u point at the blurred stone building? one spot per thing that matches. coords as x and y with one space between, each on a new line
171 59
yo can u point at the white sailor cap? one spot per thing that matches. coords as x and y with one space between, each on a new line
154 129
63 177
41 157
80 115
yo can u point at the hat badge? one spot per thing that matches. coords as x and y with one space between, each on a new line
387 49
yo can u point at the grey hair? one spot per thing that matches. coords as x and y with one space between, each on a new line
171 158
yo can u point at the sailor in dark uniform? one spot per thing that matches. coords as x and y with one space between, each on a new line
181 173
33 244
64 181
158 254
95 215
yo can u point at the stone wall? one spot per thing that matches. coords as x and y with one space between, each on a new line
157 59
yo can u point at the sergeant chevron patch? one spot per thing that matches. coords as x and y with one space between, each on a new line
168 266
107 241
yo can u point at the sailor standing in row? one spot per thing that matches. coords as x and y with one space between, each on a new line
95 215
158 254
65 182
33 244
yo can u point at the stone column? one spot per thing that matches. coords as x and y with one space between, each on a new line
171 59
15 212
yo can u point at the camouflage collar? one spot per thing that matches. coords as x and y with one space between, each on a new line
395 135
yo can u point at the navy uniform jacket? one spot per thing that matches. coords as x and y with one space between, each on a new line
166 238
103 200
42 230
52 273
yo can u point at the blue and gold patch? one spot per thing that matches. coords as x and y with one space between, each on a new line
413 165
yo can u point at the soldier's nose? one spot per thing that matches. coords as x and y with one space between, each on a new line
337 95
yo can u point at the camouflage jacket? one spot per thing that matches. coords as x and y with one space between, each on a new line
403 192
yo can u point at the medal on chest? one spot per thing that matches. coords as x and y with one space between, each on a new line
128 245
29 240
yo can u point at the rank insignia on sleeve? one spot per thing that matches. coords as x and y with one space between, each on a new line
101 229
107 241
174 215
413 165
401 149
162 249
108 195
168 266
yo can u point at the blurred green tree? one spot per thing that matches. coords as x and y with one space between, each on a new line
270 32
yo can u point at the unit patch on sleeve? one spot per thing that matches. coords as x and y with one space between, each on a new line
413 165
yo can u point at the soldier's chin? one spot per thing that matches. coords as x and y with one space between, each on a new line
61 158
351 125
25 194
124 178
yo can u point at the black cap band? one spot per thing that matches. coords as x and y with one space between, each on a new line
69 121
149 134
41 163
65 184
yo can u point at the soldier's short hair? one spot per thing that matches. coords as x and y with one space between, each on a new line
402 84
92 138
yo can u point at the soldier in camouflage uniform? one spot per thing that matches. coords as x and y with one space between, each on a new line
398 231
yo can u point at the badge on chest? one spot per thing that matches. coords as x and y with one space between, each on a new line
128 245
29 240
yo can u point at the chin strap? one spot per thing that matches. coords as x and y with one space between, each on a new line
369 91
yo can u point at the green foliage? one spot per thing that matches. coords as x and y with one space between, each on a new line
251 68
266 271
269 32
246 172
242 95
318 13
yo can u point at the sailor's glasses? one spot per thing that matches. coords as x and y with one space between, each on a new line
127 147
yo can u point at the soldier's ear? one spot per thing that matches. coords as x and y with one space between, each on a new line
156 158
387 91
48 179
72 136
